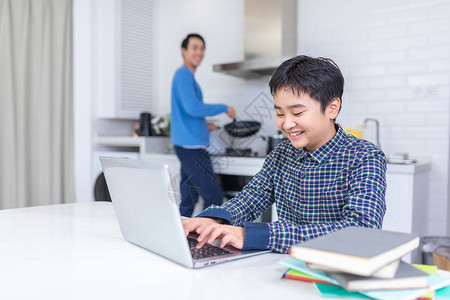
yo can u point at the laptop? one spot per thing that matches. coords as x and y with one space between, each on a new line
146 206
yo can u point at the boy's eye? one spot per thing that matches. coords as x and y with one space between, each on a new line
298 114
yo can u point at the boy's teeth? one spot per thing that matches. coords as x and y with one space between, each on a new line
295 133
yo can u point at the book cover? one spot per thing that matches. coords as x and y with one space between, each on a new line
406 277
297 275
356 250
435 282
301 266
387 271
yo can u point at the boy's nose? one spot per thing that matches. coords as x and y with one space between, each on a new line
288 123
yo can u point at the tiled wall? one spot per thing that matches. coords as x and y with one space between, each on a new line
395 56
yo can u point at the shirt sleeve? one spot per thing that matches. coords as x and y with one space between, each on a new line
249 204
365 206
192 104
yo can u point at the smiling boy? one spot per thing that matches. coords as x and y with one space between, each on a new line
320 179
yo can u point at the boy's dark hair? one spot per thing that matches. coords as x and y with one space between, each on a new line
185 42
320 78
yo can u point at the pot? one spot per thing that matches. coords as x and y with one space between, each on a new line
275 140
242 128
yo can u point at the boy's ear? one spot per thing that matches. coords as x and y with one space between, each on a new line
333 108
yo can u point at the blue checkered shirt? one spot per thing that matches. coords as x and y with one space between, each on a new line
340 184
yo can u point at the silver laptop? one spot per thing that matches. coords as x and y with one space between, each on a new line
147 211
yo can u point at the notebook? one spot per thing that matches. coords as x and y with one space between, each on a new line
146 207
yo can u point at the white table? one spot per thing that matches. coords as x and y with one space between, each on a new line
76 251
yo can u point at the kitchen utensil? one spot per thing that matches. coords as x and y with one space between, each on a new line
242 128
146 124
275 140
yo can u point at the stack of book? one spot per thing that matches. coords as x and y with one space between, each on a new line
362 260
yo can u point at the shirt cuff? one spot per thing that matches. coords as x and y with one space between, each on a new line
256 236
216 213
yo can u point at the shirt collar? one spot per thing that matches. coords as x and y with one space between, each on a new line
321 154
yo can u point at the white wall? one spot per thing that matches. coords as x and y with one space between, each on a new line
395 56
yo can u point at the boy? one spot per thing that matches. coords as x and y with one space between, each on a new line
321 179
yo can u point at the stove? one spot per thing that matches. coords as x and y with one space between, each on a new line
244 152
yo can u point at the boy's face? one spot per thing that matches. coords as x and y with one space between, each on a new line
194 53
301 119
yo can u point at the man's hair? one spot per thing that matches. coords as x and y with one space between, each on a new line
320 78
185 42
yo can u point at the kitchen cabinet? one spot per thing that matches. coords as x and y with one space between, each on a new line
124 58
407 200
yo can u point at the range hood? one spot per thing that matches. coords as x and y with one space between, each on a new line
270 37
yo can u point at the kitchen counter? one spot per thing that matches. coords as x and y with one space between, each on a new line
249 166
406 194
228 165
157 147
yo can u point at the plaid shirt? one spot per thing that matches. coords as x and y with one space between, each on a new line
341 184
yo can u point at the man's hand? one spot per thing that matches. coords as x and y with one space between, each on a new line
212 126
231 112
210 229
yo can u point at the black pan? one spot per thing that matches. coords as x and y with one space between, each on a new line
242 128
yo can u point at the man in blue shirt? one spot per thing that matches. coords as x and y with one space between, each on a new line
320 179
190 132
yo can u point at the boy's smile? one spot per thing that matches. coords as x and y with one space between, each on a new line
301 119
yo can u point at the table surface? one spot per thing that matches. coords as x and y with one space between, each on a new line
76 251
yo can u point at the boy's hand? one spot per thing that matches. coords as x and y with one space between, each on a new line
210 229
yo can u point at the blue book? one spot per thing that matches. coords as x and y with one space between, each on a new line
301 267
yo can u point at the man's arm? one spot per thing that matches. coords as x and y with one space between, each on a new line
192 104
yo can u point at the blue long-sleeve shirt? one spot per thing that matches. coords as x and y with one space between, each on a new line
338 185
188 125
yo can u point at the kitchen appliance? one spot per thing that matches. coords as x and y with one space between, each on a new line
270 37
274 140
240 129
146 128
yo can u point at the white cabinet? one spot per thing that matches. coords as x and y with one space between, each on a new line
407 200
124 58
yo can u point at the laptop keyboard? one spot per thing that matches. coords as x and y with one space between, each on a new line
206 251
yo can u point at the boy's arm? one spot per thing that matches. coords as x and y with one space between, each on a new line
250 203
365 207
